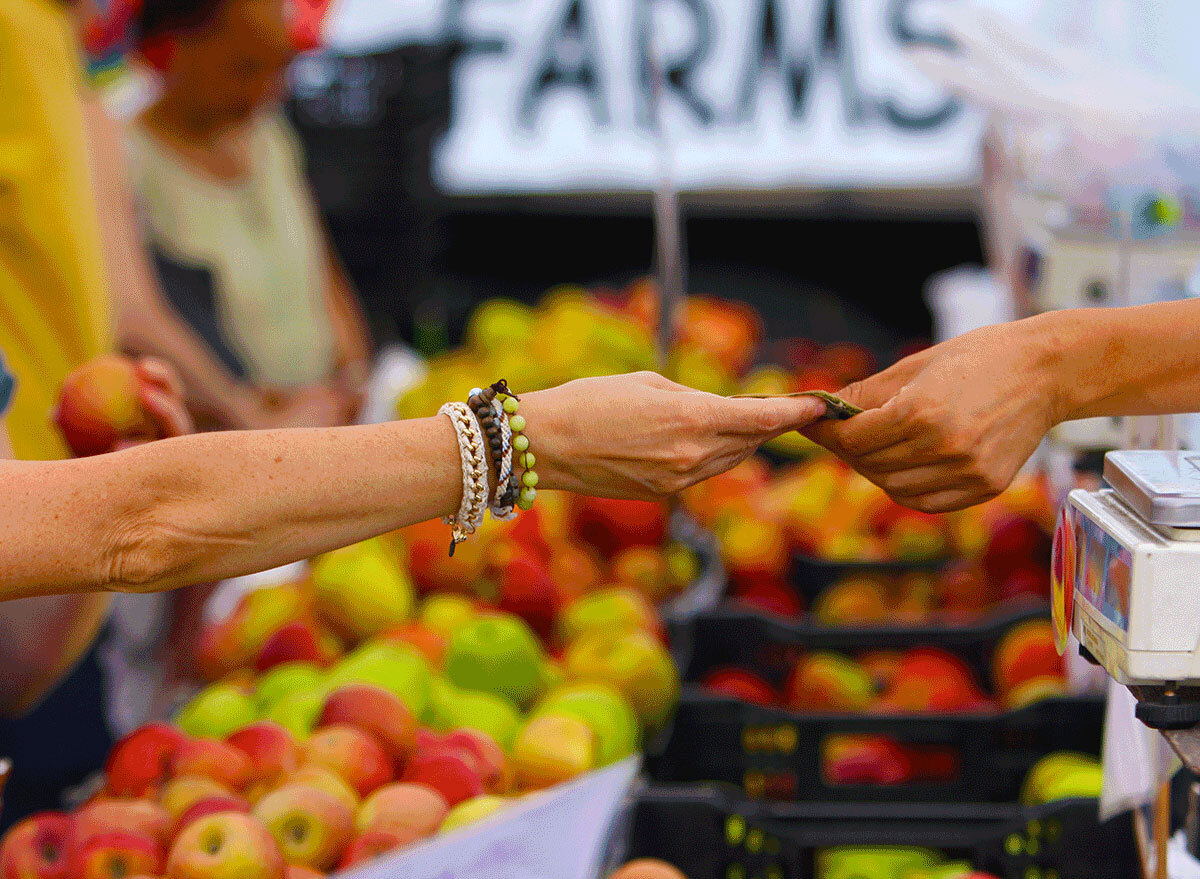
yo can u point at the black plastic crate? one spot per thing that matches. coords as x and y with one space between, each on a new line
710 833
811 576
777 754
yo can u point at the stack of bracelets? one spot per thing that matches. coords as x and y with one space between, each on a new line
490 432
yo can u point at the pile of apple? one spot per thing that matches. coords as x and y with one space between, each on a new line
1026 668
822 510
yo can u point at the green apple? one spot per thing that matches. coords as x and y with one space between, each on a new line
616 610
445 614
636 665
297 712
490 714
853 862
397 667
606 711
284 679
496 653
472 810
362 590
216 711
1063 775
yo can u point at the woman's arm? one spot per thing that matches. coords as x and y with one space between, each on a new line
951 426
207 507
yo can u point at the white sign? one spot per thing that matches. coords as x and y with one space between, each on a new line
556 95
561 834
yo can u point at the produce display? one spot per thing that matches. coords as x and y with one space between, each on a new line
1026 667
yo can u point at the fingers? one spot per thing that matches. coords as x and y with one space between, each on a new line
873 392
871 432
161 374
768 417
166 410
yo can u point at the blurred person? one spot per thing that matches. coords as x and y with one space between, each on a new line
220 181
951 426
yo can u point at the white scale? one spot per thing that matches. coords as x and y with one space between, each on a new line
1126 575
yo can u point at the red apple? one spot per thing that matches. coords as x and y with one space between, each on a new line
114 855
311 826
353 754
452 772
328 781
180 794
742 685
405 811
295 871
140 816
271 749
429 643
212 758
769 593
614 525
489 756
37 848
297 641
527 590
368 847
211 806
142 760
228 845
374 710
100 406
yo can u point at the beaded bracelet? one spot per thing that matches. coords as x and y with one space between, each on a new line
520 444
474 473
494 422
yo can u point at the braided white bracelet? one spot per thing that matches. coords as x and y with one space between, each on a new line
499 509
474 473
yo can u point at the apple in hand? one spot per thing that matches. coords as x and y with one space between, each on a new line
142 760
271 749
376 711
311 826
405 811
552 748
114 855
213 759
100 406
353 754
228 845
37 847
496 653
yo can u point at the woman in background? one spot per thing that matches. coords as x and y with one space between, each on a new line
220 181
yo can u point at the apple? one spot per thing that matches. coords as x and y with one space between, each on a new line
928 679
647 868
297 641
1033 690
37 847
211 806
490 714
552 748
227 845
407 812
140 762
528 591
644 569
216 711
361 590
1062 775
368 847
473 810
285 680
853 601
605 711
745 686
262 612
823 681
220 650
396 667
378 711
617 610
445 614
328 781
452 772
614 525
180 794
1026 651
496 653
296 871
575 569
140 816
1015 542
298 712
100 405
114 855
311 826
489 756
429 643
353 754
214 759
636 665
767 592
271 749
752 545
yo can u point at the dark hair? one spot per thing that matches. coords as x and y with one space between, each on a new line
166 17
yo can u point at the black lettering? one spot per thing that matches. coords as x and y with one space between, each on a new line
570 58
771 51
677 72
907 35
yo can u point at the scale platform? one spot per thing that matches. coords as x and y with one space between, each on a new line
1126 575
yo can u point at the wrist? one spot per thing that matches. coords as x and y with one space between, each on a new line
544 436
1067 376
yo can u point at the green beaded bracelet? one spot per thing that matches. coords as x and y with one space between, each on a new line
520 444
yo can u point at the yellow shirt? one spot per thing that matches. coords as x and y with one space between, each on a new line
54 311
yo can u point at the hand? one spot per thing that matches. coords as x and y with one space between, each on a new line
160 392
951 426
642 436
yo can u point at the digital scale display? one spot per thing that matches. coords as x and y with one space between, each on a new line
1103 572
